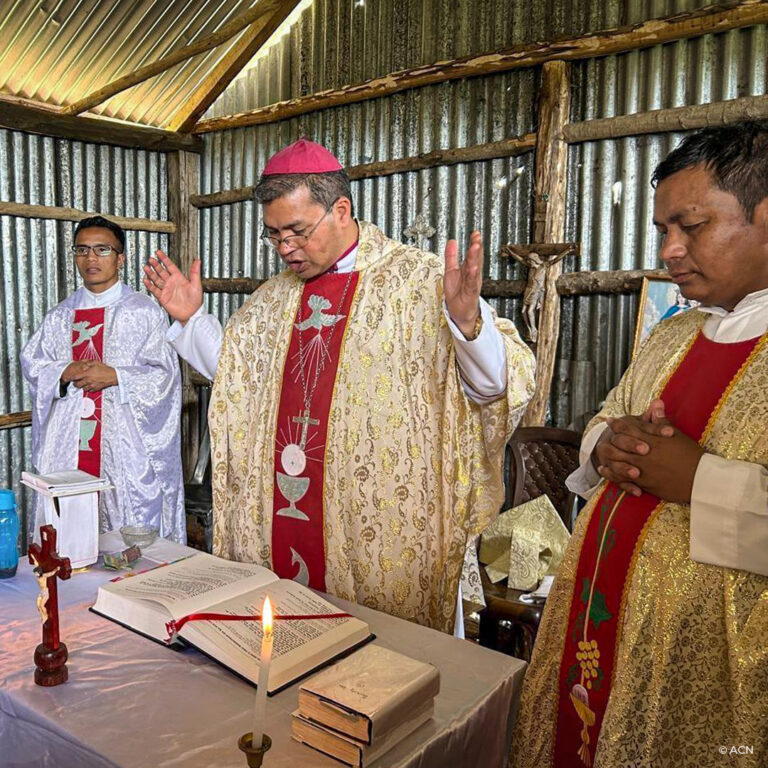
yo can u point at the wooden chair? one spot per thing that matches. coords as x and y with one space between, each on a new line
537 461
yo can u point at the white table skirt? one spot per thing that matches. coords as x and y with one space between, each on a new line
131 702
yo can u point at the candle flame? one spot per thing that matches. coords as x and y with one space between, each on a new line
266 616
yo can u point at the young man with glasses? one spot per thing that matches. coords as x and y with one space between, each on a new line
106 390
362 400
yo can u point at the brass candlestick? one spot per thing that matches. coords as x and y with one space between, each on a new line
254 755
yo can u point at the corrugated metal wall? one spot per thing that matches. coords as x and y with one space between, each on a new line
36 269
346 41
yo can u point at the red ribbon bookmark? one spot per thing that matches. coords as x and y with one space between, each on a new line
174 626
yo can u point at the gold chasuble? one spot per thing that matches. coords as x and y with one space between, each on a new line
345 451
644 657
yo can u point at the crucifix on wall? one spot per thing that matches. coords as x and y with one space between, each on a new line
539 258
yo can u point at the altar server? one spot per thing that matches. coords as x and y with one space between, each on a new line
106 390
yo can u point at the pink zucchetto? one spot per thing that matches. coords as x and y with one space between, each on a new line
302 156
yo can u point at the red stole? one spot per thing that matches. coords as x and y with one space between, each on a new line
88 344
298 531
612 539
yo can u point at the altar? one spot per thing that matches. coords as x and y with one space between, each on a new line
131 702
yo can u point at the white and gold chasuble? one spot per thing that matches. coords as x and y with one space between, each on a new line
412 467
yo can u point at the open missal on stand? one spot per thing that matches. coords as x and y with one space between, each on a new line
203 583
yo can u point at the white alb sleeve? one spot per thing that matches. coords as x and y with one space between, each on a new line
198 342
482 361
729 514
584 480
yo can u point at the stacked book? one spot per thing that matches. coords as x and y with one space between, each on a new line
362 706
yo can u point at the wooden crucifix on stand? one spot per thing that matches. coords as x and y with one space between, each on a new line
51 655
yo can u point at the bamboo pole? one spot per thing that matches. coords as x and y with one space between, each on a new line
549 222
440 157
665 120
708 20
73 214
144 73
13 420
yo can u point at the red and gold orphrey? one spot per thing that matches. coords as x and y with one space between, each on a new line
298 542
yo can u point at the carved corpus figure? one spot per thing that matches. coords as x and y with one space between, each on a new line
533 296
51 654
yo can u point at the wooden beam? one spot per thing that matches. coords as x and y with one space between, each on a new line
33 117
708 20
549 222
543 249
203 45
231 284
440 157
13 420
665 120
183 176
570 284
61 213
275 12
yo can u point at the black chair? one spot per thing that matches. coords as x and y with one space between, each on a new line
537 462
198 499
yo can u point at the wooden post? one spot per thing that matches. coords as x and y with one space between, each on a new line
183 182
549 221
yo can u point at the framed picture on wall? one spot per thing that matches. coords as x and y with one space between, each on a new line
660 298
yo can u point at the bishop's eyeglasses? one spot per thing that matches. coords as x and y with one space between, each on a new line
296 241
102 251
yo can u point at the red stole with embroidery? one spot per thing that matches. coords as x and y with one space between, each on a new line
309 376
88 344
613 536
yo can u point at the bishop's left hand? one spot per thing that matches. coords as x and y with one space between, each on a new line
462 284
95 377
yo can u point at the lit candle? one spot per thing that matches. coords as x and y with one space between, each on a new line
260 707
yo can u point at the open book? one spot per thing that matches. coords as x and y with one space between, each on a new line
70 482
203 583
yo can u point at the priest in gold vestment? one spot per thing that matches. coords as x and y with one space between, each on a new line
653 649
357 440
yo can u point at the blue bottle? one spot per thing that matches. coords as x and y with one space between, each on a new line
9 534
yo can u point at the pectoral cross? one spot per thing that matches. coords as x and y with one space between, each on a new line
305 421
51 655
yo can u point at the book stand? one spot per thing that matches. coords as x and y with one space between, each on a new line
253 755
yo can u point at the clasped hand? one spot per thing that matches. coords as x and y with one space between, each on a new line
648 453
90 375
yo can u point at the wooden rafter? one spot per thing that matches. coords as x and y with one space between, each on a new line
205 44
35 117
254 37
708 20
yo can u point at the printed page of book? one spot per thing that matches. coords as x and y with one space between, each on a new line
191 585
299 646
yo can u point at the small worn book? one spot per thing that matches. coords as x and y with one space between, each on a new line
349 750
369 693
203 583
70 482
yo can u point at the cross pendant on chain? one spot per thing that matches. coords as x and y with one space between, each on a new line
305 421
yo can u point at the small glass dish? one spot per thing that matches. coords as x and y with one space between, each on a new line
139 535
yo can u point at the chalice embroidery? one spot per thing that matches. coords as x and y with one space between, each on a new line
293 488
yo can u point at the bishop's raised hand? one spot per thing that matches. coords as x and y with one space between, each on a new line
462 284
178 296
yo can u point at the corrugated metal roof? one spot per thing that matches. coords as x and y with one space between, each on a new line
58 51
